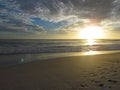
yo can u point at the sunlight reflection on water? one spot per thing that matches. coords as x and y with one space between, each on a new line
91 53
90 43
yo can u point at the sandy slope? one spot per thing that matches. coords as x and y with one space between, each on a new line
99 72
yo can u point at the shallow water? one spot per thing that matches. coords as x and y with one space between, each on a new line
21 51
8 60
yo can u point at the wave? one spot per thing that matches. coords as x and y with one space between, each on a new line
55 46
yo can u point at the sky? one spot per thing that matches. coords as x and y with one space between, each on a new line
58 19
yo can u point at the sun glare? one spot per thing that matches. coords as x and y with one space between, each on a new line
91 32
90 42
90 53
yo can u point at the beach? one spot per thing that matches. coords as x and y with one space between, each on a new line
59 44
90 72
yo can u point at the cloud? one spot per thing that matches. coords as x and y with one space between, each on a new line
14 20
38 29
17 14
115 13
22 29
56 10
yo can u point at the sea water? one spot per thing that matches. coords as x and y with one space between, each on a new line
21 51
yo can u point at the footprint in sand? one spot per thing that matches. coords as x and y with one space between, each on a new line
79 87
112 81
95 81
110 87
83 85
114 70
101 85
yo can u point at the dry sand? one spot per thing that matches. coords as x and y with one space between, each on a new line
98 72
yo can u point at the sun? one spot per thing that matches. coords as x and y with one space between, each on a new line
91 32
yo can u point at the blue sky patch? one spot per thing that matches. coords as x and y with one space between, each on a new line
46 24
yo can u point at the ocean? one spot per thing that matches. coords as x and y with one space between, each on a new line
21 51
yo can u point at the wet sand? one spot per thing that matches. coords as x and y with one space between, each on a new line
95 72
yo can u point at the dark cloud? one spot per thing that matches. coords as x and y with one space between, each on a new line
81 8
12 29
115 13
54 10
22 29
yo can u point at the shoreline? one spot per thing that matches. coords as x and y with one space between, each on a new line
12 60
